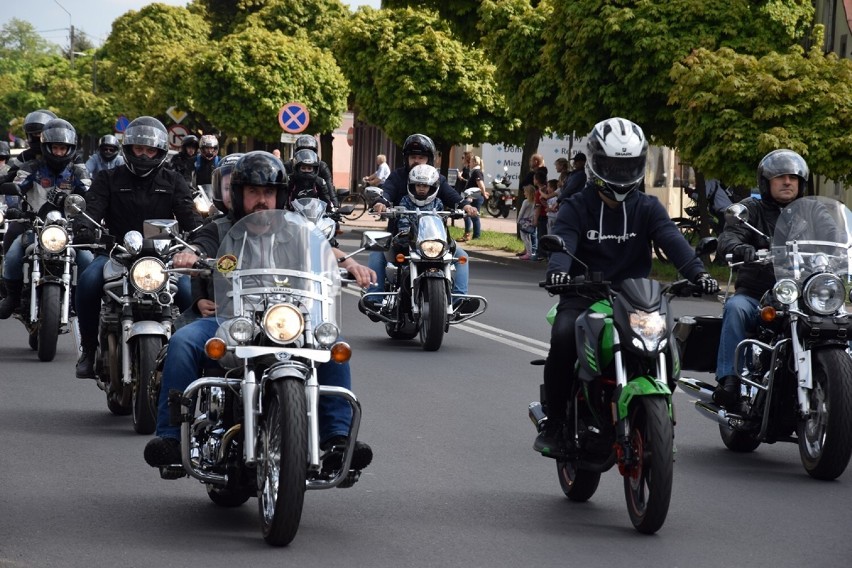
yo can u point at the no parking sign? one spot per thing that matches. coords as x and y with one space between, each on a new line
294 117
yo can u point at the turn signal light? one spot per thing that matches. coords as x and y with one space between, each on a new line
462 260
768 314
341 352
400 258
215 348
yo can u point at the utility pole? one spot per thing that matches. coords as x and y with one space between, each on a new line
71 50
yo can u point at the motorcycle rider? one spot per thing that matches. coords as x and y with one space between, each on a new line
416 150
609 227
781 179
184 161
124 198
33 125
207 159
221 183
305 180
308 142
44 181
107 156
258 182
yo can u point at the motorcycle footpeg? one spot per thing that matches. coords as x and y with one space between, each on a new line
172 472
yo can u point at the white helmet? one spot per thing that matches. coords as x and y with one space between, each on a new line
423 174
618 150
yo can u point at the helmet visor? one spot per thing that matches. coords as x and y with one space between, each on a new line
144 135
617 170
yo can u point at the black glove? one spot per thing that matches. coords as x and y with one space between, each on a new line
708 284
14 213
83 236
557 282
745 253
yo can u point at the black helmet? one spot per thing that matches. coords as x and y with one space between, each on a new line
150 132
305 170
257 168
33 125
58 131
306 141
419 145
189 140
778 163
221 181
5 151
108 147
618 151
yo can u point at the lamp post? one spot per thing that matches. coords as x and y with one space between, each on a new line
71 33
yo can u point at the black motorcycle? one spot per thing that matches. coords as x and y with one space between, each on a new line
501 200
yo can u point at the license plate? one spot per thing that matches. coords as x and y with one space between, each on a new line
508 201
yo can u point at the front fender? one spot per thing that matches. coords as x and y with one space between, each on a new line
641 386
148 328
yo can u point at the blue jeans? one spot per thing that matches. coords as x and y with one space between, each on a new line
473 222
90 288
186 357
379 264
738 319
13 262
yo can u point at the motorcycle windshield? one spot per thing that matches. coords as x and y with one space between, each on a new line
274 257
430 228
311 208
812 235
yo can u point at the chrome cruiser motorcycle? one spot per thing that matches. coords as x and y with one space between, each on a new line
796 371
255 430
418 296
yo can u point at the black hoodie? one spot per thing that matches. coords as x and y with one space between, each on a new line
617 241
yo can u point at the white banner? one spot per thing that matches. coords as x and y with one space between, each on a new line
497 156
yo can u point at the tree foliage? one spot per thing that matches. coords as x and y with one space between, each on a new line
733 108
317 21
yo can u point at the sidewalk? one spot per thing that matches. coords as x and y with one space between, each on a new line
370 223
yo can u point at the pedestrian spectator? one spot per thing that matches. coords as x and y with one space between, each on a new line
542 194
277 153
527 224
377 178
472 226
552 203
184 161
464 173
106 157
563 168
536 163
576 178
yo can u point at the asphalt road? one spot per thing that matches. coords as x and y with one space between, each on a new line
454 482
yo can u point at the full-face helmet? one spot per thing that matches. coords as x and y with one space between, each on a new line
306 142
423 174
58 132
619 151
108 147
209 146
261 169
419 145
305 170
149 132
33 125
778 163
221 181
189 141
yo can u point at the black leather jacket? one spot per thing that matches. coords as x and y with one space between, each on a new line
753 279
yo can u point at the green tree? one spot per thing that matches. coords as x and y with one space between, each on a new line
732 109
316 21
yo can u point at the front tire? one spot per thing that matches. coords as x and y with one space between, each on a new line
433 313
48 320
143 353
648 484
825 438
282 461
118 394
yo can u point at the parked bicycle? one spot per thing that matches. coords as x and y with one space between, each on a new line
356 199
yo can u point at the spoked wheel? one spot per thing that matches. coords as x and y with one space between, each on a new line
282 466
688 228
48 321
143 354
433 314
578 484
825 438
118 394
358 203
648 484
493 207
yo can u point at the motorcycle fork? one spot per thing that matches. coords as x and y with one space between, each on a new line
802 359
126 326
35 276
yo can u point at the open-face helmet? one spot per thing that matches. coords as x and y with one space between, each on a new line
778 163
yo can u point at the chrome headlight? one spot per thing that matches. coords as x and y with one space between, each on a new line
824 293
650 328
53 239
432 249
133 242
53 216
283 323
241 330
326 334
148 275
786 291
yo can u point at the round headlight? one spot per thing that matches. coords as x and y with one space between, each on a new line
786 291
824 293
283 323
241 330
53 239
326 333
148 275
432 249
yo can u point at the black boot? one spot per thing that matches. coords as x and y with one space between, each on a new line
13 297
86 362
727 392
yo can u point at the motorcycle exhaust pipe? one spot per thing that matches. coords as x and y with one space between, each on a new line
712 412
697 389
